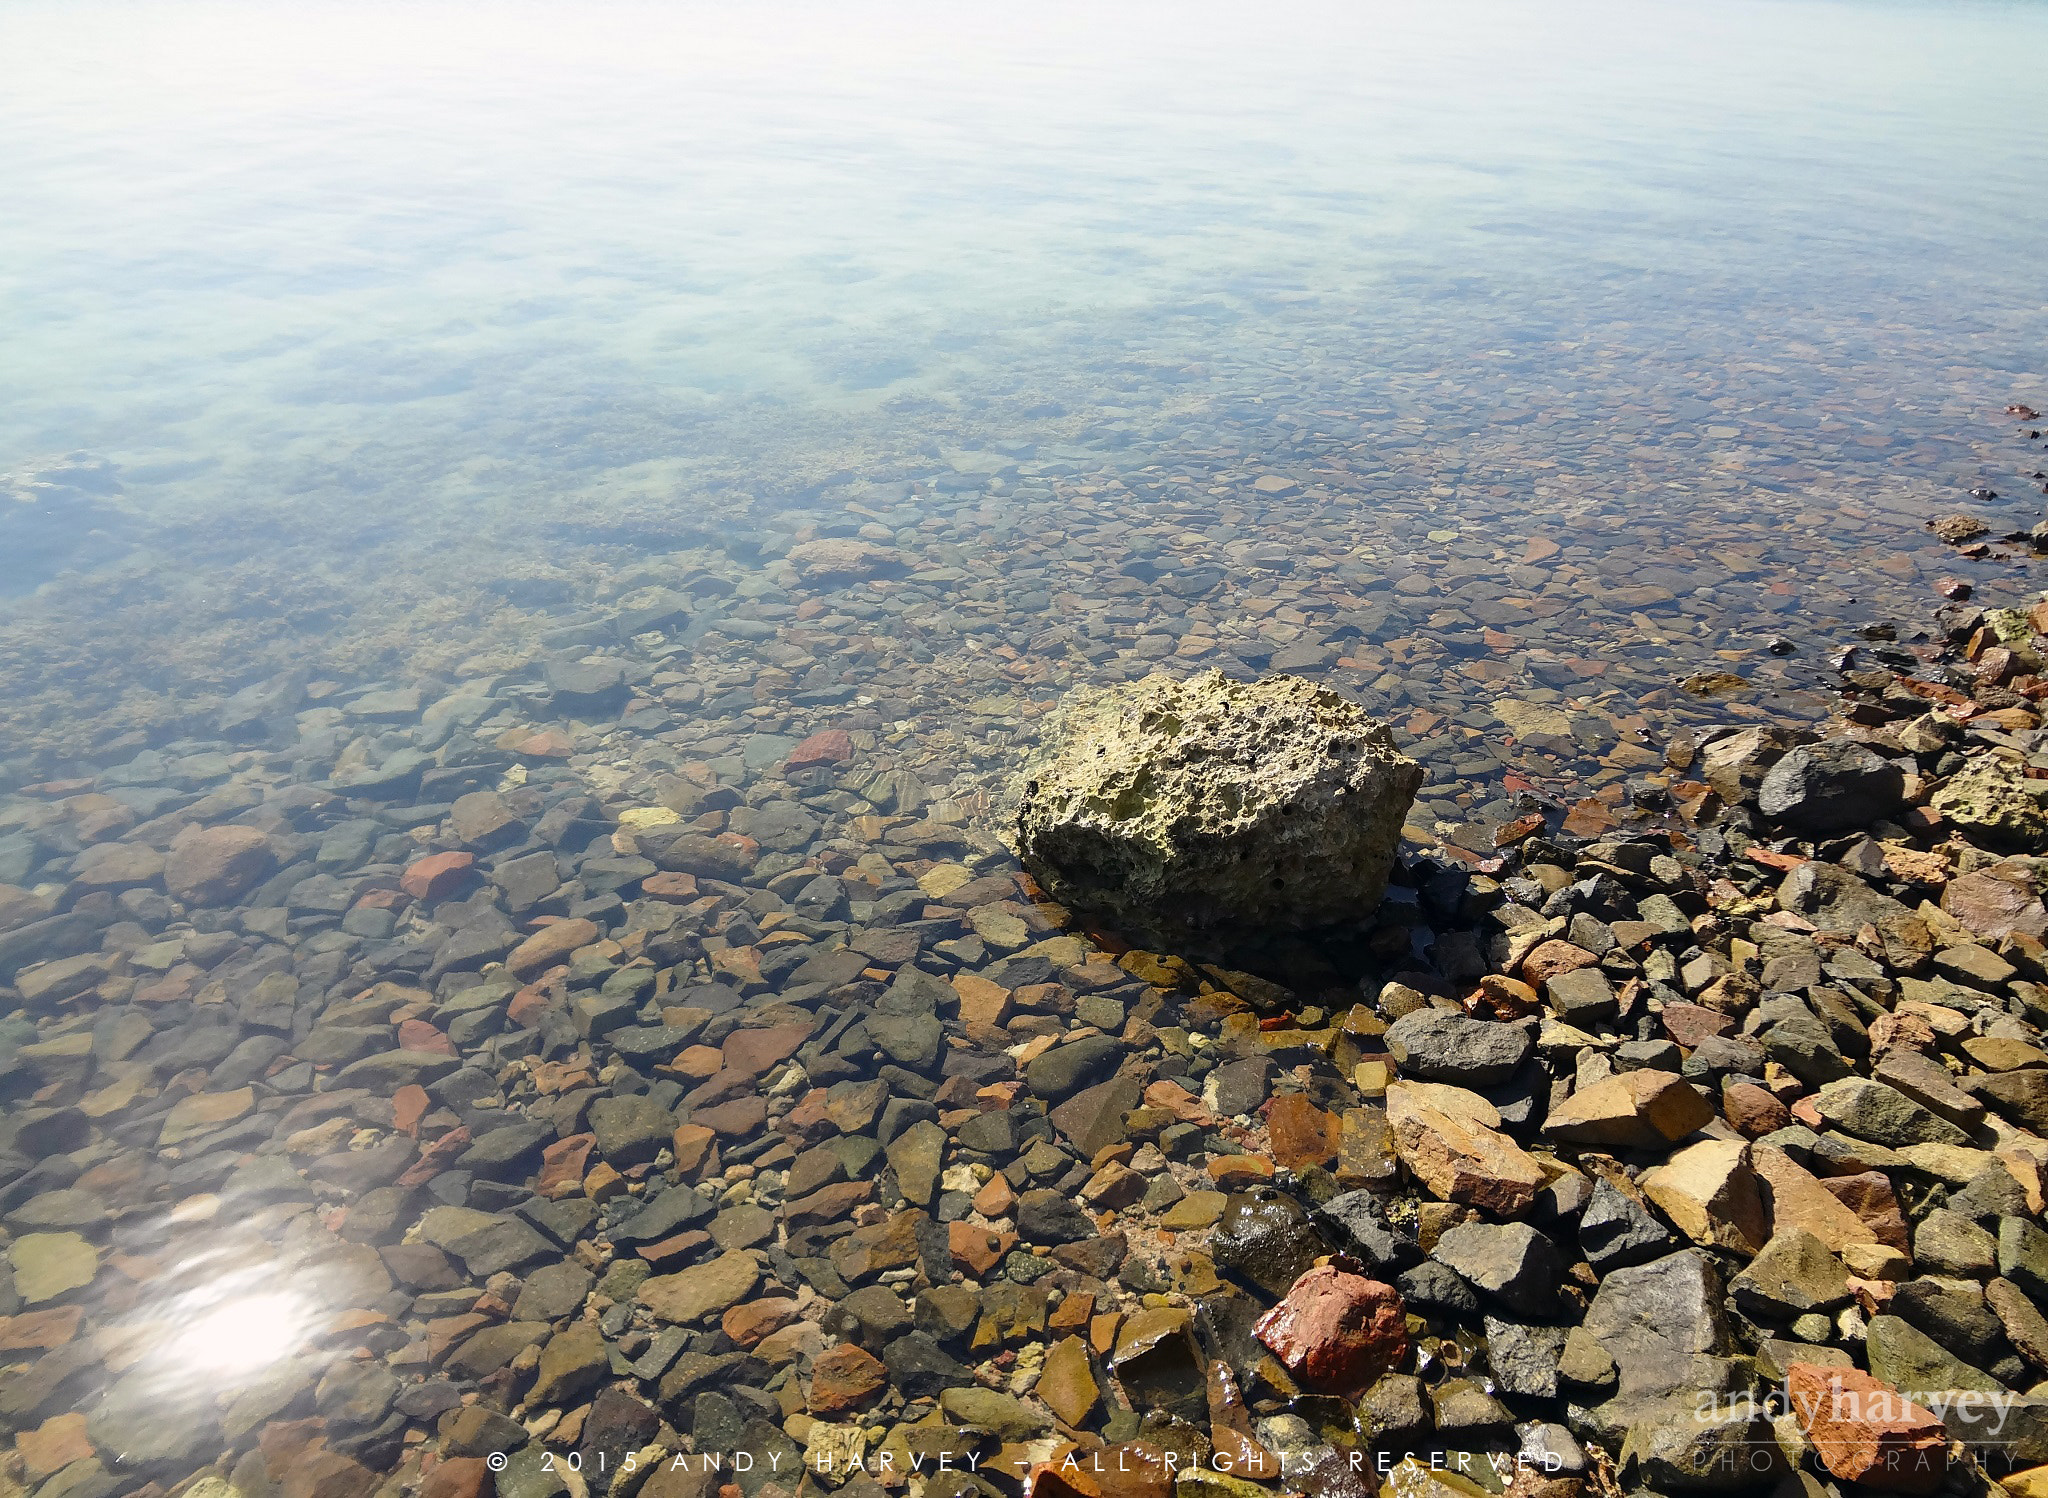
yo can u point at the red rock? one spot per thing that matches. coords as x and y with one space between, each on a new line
1336 1332
1752 1111
1993 907
752 1052
1866 1431
551 944
527 1006
845 1379
1553 959
561 1166
830 746
460 1477
435 1158
1301 1133
383 899
438 875
1688 1024
214 865
418 1035
996 1198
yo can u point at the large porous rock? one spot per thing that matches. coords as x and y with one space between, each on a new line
1212 802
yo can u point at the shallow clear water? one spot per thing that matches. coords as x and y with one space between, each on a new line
407 269
1501 365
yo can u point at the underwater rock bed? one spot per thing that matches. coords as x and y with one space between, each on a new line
620 1053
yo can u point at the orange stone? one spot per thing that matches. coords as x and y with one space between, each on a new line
54 1445
39 1331
550 945
748 1324
1866 1431
694 1147
1301 1133
996 1199
561 1166
1235 1172
976 1249
673 889
408 1106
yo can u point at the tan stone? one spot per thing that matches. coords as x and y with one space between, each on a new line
204 1111
1630 1110
1067 1383
1799 1200
703 1290
213 865
1460 1160
1712 1195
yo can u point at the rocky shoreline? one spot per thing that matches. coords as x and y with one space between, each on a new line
555 1103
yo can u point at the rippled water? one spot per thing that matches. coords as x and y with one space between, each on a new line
371 371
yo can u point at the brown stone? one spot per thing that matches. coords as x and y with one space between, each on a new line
750 1053
1068 1384
320 1473
1993 907
1688 1024
1336 1332
1236 1172
996 1199
1868 1195
1301 1133
672 889
1866 1431
845 1378
1751 1111
748 1324
695 1148
460 1477
214 865
114 866
733 1120
550 945
983 1004
1799 1199
438 875
39 1331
